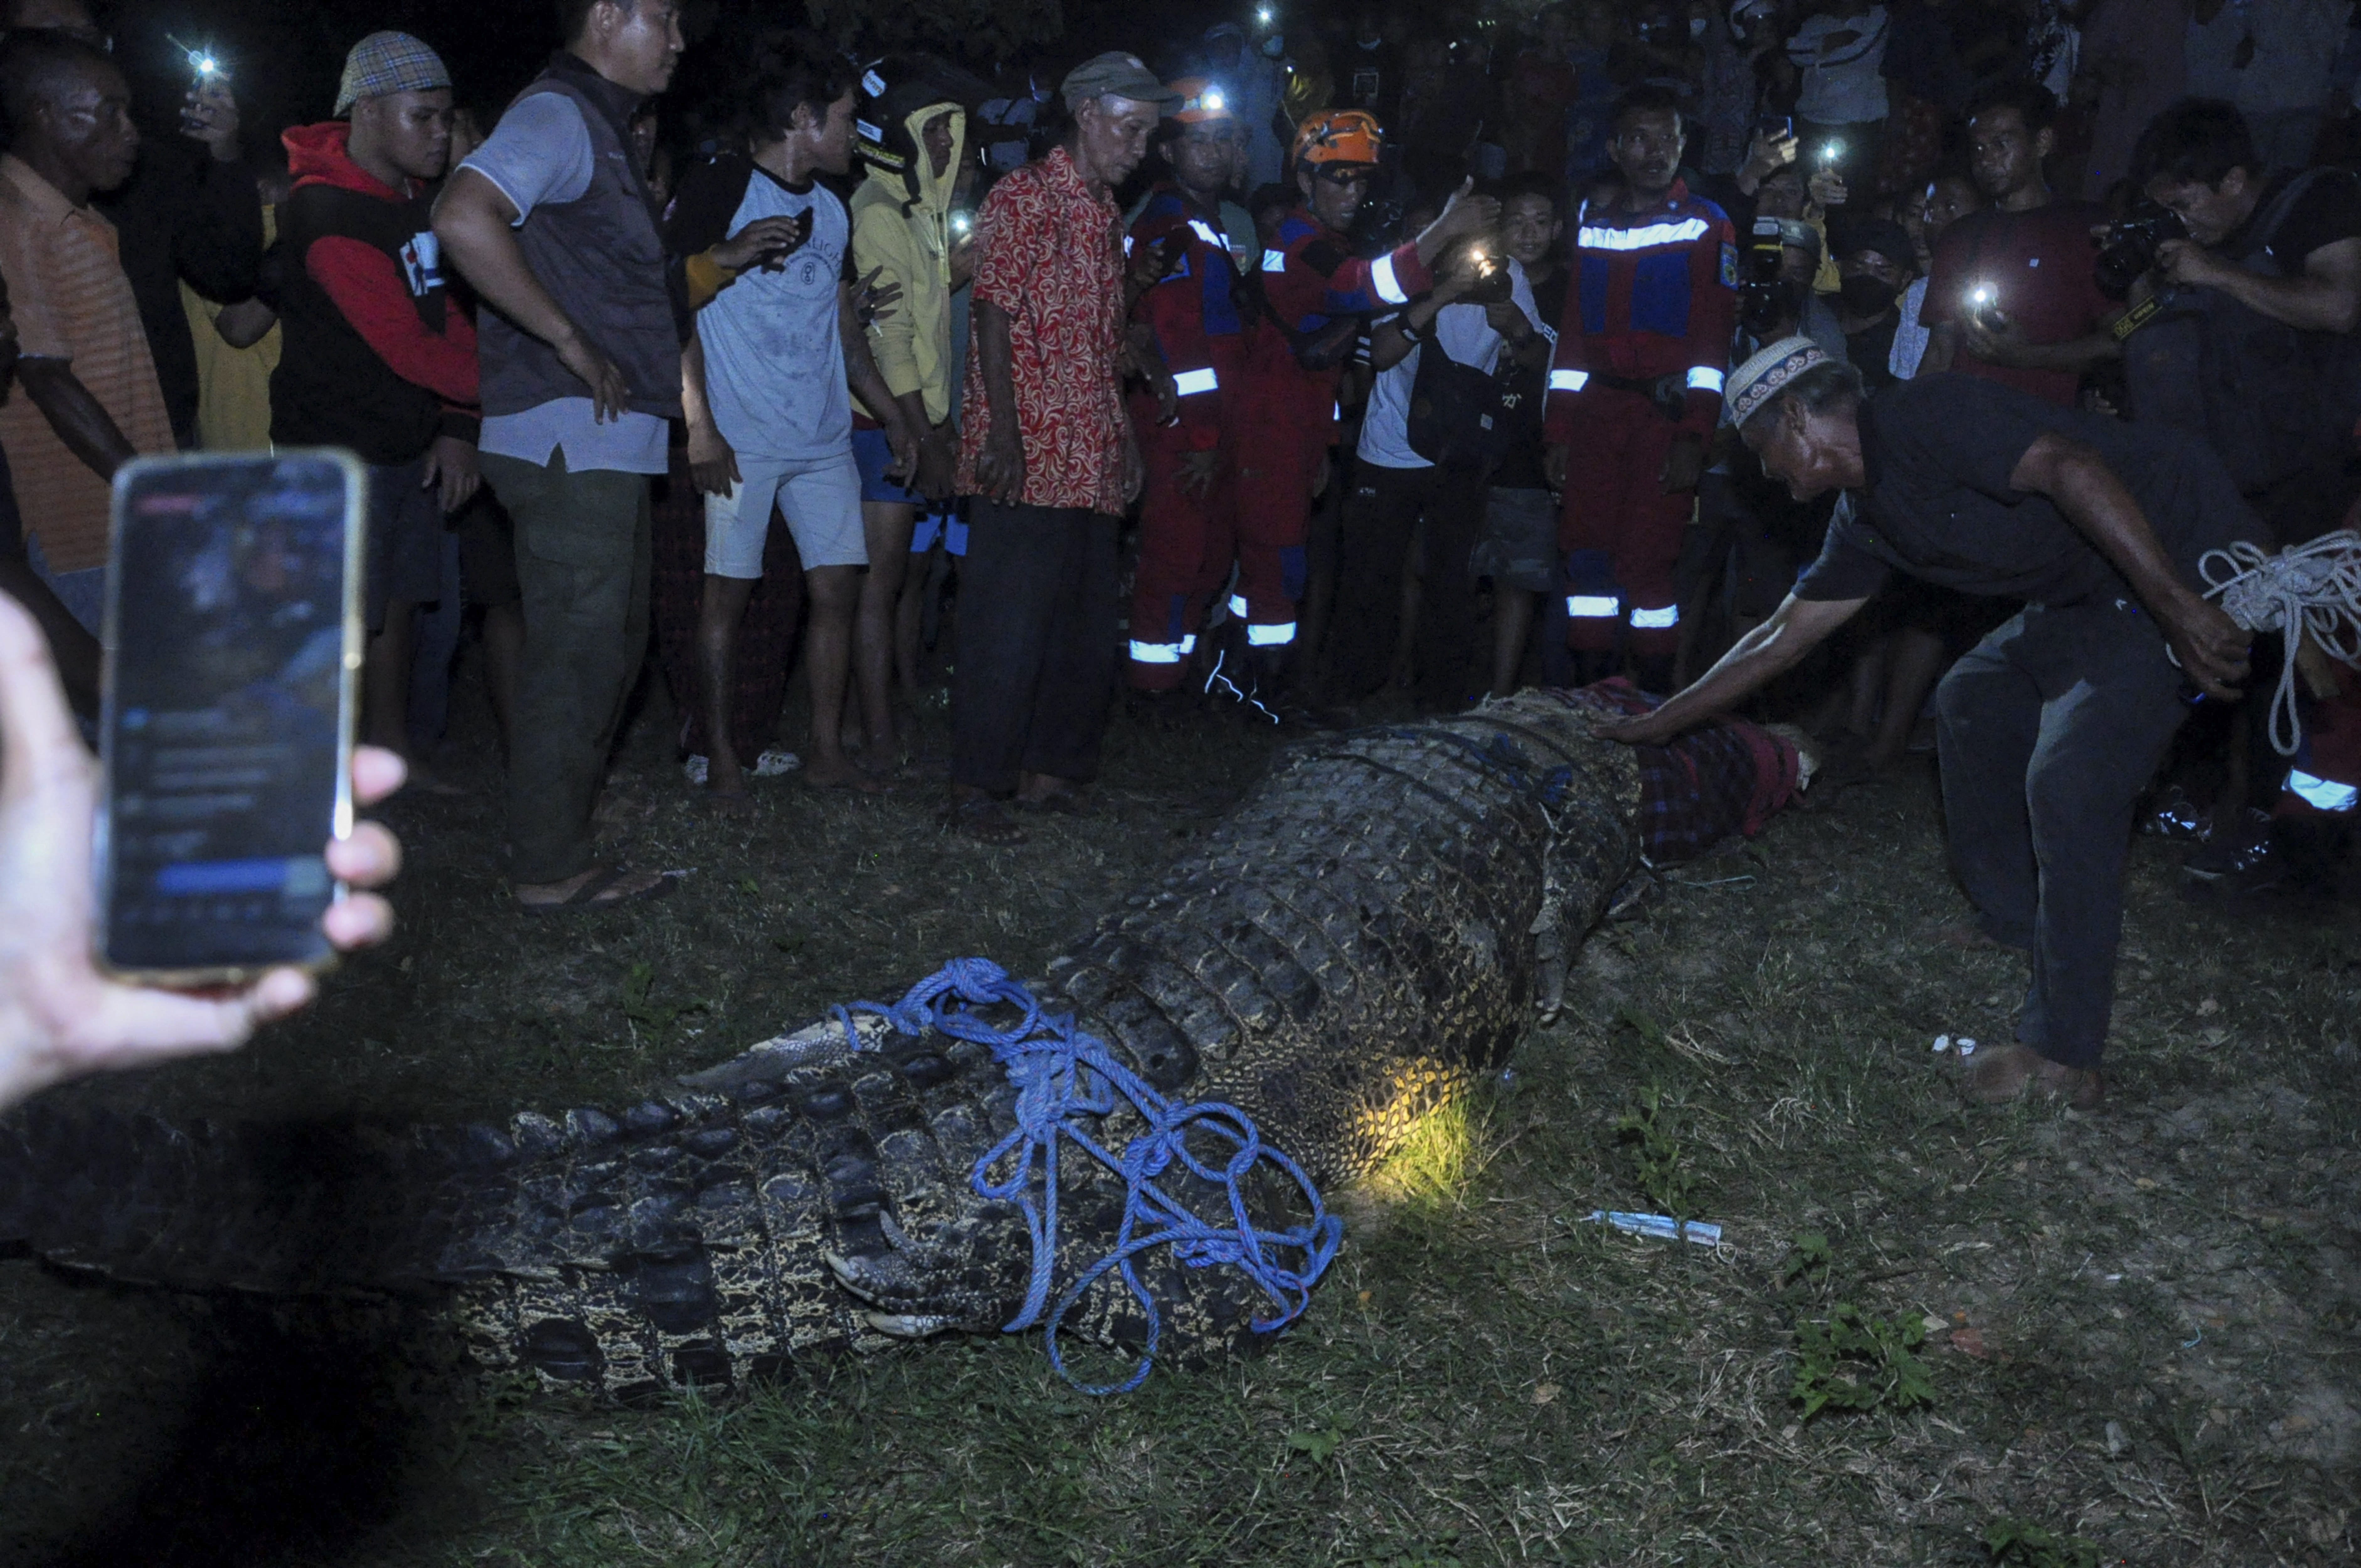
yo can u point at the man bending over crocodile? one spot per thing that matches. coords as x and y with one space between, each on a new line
2051 727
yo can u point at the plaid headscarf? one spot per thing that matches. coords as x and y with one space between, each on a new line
389 62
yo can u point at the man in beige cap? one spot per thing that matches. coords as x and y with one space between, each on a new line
1049 455
2052 725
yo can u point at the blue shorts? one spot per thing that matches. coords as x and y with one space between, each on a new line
873 452
946 525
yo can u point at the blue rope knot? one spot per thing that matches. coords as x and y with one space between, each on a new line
1064 1077
1502 758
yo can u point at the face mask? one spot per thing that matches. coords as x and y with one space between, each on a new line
1866 296
1696 27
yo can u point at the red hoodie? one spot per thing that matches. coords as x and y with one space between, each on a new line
369 286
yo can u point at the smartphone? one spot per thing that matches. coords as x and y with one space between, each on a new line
233 642
1776 127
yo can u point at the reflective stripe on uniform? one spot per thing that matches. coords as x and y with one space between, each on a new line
1238 605
2322 794
1389 289
1157 652
1568 380
1705 378
1274 261
1593 606
1655 620
1188 383
1188 644
1205 231
1271 636
1643 238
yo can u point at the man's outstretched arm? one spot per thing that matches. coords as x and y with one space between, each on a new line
1754 662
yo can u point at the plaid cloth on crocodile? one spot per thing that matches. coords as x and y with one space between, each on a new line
1725 778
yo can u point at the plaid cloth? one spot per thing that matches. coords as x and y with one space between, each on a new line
1725 778
389 62
766 637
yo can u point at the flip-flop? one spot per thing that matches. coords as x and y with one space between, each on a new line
587 895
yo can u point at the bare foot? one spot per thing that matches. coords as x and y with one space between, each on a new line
600 887
731 803
839 773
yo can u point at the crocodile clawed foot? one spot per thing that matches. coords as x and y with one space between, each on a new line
905 1325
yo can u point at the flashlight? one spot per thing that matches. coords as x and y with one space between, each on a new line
962 225
203 64
1831 152
1980 297
1265 16
1213 102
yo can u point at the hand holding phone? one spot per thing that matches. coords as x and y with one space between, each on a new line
60 1016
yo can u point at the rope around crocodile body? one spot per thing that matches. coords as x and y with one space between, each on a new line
2312 589
1063 1075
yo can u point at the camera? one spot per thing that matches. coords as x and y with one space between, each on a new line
1765 300
2131 245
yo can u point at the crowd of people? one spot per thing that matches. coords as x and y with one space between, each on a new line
1318 368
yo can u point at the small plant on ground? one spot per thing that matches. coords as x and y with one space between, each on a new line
648 1017
2014 1544
1855 1362
1648 1131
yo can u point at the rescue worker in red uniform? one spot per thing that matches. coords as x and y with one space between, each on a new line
1316 291
1635 392
1196 318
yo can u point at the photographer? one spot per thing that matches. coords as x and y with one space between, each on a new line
2245 338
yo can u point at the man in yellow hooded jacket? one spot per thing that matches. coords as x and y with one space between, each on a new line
913 130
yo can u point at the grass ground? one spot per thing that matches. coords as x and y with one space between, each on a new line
2139 1326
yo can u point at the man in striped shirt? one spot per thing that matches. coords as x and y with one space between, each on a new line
1635 389
90 400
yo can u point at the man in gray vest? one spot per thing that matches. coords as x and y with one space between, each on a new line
552 223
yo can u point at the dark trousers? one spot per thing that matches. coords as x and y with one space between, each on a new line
1381 515
1037 649
2051 728
582 563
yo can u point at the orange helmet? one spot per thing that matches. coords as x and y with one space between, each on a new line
1338 135
1202 99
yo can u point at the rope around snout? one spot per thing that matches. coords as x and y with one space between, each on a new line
2313 589
1065 1079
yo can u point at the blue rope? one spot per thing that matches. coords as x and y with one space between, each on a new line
1501 758
1062 1077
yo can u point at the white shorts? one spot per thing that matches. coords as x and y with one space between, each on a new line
822 503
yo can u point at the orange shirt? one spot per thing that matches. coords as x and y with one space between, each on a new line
71 301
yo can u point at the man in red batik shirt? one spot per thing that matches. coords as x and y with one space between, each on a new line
1049 457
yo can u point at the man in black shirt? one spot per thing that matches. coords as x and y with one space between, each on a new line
2052 725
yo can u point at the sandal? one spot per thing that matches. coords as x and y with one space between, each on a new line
981 817
587 896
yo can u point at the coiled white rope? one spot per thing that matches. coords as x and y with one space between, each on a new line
2313 589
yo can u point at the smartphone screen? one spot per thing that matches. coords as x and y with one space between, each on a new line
232 637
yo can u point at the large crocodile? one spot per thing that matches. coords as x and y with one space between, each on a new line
1361 939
